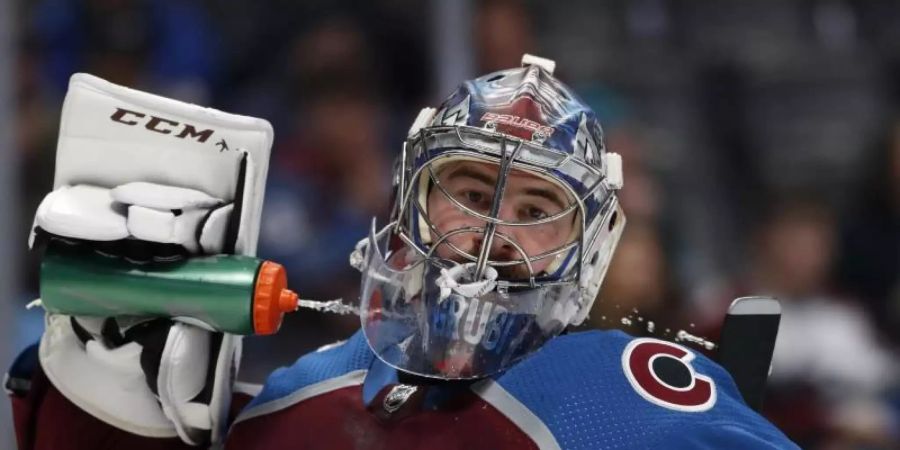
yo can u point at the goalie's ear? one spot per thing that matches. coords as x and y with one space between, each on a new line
111 135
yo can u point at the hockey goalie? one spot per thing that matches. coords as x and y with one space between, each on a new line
503 223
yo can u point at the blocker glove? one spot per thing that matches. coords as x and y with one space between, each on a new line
146 211
148 178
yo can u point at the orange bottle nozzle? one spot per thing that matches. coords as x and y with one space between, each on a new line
287 301
271 298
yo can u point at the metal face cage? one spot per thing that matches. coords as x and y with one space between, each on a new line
417 175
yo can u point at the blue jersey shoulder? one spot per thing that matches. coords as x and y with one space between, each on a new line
18 378
315 367
606 389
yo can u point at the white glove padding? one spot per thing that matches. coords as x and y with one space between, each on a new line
175 215
184 375
130 167
161 155
156 383
146 211
81 212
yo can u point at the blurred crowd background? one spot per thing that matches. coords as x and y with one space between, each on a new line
761 143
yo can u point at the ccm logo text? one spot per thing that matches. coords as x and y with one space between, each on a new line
160 125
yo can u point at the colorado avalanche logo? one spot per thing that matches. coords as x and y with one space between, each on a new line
661 373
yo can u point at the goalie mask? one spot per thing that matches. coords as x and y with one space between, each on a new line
503 224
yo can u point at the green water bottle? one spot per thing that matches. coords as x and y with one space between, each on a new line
231 293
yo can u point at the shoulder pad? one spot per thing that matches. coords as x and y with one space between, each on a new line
347 361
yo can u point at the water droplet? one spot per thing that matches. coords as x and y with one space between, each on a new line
651 326
626 321
684 336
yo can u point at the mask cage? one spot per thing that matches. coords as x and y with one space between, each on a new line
430 147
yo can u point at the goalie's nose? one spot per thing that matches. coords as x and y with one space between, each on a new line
501 249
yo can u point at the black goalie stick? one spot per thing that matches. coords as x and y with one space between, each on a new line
747 343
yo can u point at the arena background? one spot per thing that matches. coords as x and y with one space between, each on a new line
760 139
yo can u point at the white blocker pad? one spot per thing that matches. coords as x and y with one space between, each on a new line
158 196
169 214
111 136
84 212
154 225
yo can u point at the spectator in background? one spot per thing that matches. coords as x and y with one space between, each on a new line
329 175
328 172
161 46
638 287
327 181
870 238
642 195
829 367
36 125
503 34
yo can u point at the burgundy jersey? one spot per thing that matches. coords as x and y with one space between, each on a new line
591 390
44 419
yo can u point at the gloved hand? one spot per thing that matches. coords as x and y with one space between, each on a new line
140 210
148 178
154 378
187 218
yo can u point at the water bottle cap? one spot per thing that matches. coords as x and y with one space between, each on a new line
271 298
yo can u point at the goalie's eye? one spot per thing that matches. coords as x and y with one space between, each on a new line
535 213
473 197
476 199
